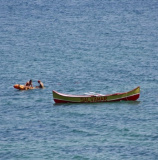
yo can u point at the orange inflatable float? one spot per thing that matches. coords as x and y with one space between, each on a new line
22 87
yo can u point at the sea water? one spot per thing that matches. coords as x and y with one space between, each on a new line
75 47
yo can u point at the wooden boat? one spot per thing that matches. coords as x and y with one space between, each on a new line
132 95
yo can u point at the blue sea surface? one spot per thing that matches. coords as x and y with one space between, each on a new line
74 47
